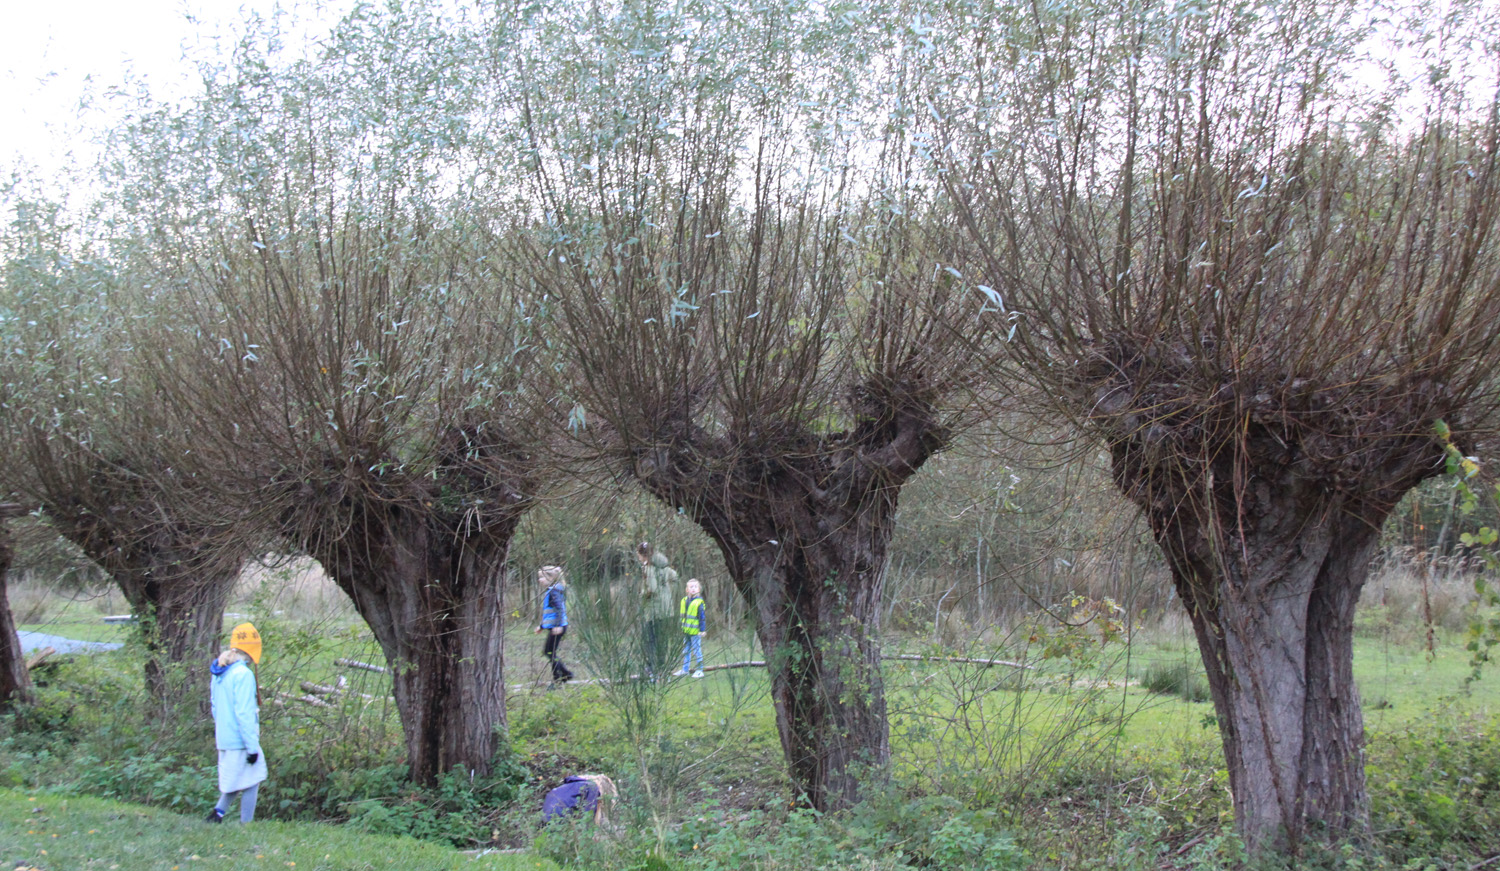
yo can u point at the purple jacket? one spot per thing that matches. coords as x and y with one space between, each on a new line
575 794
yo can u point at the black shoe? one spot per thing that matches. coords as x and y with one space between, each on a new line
216 816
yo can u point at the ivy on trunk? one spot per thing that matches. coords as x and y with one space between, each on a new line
804 523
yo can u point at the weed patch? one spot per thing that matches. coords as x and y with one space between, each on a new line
1179 679
1435 787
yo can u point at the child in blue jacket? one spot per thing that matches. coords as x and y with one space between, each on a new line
554 619
236 710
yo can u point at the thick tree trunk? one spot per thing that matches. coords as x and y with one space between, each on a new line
15 680
434 599
818 610
813 568
180 616
175 571
177 580
804 522
1270 573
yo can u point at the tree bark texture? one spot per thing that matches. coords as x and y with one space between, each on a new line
423 559
804 523
1269 558
177 576
816 590
181 620
15 680
432 593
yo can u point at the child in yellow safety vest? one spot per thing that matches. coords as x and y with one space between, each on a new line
691 614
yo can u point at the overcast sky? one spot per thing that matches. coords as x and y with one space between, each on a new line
54 52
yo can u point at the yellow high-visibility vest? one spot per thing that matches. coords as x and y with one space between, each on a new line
690 612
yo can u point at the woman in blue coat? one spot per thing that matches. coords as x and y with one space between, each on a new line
236 709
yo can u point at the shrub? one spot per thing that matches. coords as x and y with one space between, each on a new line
458 810
1180 679
889 830
1435 788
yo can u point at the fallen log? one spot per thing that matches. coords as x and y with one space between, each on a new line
308 699
760 663
749 663
917 657
341 688
354 663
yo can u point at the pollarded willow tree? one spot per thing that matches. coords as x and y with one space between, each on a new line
756 345
343 359
356 414
1260 286
89 447
15 678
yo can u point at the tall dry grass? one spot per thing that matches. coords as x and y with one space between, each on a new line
291 586
1412 591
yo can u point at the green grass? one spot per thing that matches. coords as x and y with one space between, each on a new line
1398 682
1018 727
55 832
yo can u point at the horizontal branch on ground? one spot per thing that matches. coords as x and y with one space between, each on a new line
354 663
760 663
338 689
308 699
917 657
749 663
38 657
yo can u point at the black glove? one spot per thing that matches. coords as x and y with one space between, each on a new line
251 757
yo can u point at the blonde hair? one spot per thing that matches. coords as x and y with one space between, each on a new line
552 573
694 586
232 655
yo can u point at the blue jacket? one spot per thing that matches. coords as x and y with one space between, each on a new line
575 794
554 607
236 714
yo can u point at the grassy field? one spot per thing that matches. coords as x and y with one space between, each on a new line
47 832
1074 752
1400 681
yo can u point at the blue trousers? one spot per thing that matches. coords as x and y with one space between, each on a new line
247 803
692 645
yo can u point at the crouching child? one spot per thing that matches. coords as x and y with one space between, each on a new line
578 794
